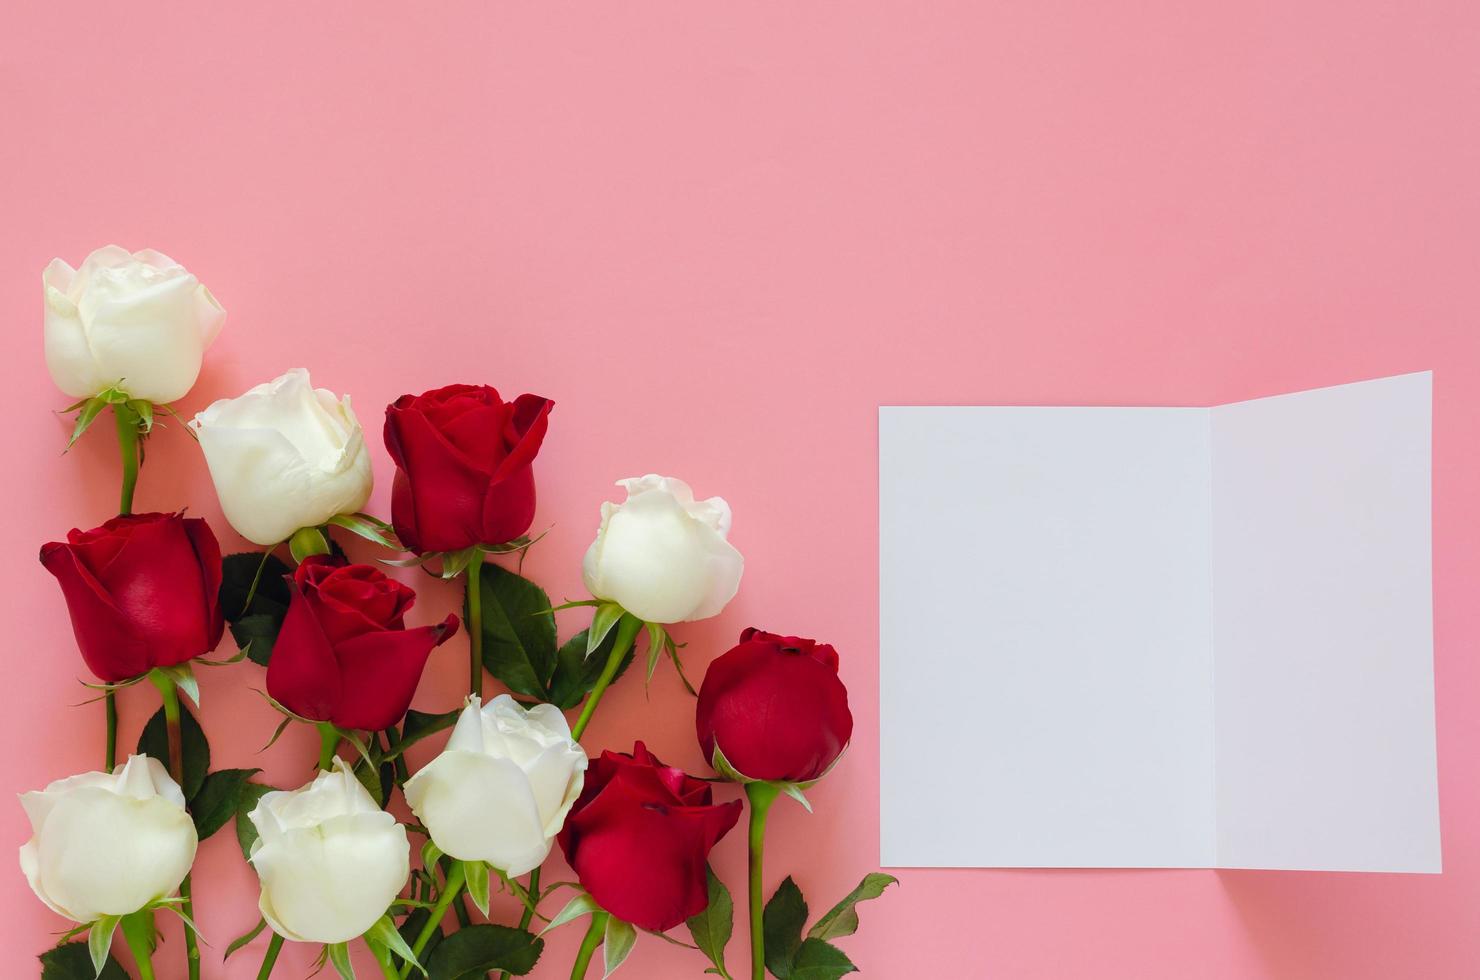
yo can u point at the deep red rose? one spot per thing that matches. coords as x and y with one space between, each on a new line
344 654
776 707
639 837
463 460
142 591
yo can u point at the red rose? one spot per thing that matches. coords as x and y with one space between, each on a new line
776 708
142 592
344 654
463 466
639 837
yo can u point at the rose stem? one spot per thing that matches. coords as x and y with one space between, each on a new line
475 625
269 960
455 880
128 447
328 742
138 930
528 914
171 699
626 628
761 796
588 945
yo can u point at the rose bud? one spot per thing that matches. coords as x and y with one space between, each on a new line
500 790
464 471
329 859
108 843
639 838
284 456
344 654
142 592
139 322
775 707
662 555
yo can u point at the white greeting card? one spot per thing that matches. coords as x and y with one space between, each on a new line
1160 637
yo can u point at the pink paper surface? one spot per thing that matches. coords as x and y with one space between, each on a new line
719 236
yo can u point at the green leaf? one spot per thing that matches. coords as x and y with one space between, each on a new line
420 725
243 939
470 953
817 960
519 646
272 594
90 411
99 939
339 956
842 920
781 924
195 752
582 904
576 673
255 625
713 927
384 935
71 961
257 634
476 876
218 799
246 801
616 944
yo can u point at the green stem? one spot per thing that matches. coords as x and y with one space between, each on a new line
626 628
128 447
761 796
171 698
110 706
138 932
456 878
588 945
328 744
475 625
534 899
269 960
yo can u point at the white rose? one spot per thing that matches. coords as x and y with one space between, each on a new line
138 321
283 456
662 555
108 843
330 861
500 790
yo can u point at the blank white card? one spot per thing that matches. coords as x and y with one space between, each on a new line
1160 637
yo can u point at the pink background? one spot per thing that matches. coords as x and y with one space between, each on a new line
719 235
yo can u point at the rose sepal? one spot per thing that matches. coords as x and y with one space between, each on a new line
659 641
138 927
88 410
384 939
796 790
454 563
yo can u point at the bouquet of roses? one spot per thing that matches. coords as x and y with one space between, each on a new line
151 596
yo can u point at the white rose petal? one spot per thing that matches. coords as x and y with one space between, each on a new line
283 456
329 860
502 787
108 843
662 555
139 321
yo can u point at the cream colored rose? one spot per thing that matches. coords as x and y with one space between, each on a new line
500 790
662 555
284 455
136 321
108 843
330 861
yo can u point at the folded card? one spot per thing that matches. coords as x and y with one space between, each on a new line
1160 637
